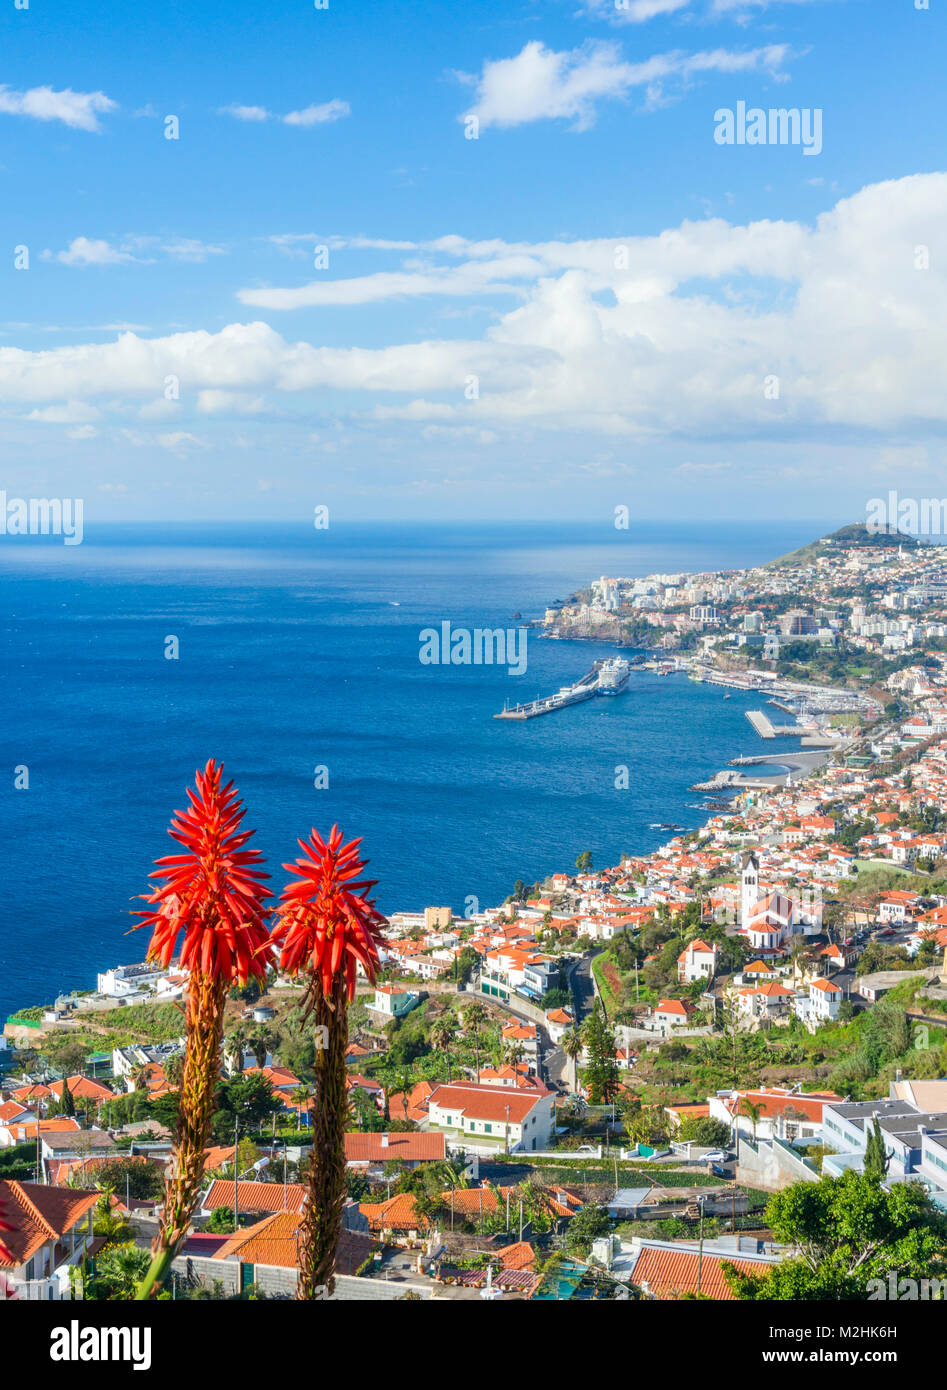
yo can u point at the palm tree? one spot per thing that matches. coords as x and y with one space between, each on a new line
300 1098
121 1267
474 1015
174 1070
262 1041
573 1045
213 893
442 1035
107 1223
327 927
515 1052
752 1112
236 1044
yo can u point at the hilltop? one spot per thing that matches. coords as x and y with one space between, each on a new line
857 536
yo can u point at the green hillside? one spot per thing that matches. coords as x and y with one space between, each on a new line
854 537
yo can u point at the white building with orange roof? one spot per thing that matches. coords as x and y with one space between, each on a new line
524 1035
672 1013
394 1001
821 1004
898 906
768 1000
780 1112
698 961
558 1023
492 1117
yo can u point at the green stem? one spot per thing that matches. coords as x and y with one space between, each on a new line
157 1273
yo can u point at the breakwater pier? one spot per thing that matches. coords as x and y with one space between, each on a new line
603 679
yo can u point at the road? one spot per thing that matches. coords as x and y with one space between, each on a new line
583 991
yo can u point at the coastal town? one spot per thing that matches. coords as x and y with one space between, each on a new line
605 1086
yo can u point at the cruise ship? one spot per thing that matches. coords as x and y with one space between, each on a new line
613 676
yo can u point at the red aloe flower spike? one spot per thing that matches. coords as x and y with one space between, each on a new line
214 893
326 923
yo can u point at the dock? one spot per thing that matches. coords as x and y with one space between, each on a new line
765 727
583 689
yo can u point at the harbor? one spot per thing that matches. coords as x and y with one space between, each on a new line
607 677
796 765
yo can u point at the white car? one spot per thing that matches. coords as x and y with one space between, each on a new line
716 1156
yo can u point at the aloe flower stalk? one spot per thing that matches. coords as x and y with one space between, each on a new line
214 894
326 927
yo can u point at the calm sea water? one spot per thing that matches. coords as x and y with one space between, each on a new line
298 649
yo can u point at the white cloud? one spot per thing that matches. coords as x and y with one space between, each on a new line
83 251
245 113
180 442
676 344
472 278
319 115
634 11
72 413
76 109
228 403
640 11
189 249
541 84
742 8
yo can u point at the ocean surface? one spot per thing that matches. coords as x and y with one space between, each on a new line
300 649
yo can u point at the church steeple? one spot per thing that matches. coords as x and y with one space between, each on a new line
749 887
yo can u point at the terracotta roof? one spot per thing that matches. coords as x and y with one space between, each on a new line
40 1214
771 990
775 1102
398 1212
674 1006
216 1156
274 1241
413 1146
518 1256
418 1098
254 1196
489 1102
671 1273
84 1088
37 1092
278 1077
395 1214
60 1124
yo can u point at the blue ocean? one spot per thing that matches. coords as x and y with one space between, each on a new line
299 649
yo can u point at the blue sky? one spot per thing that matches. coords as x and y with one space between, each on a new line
580 307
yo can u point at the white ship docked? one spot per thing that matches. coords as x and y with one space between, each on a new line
613 676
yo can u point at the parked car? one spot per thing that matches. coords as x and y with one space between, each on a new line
717 1156
719 1171
586 1149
